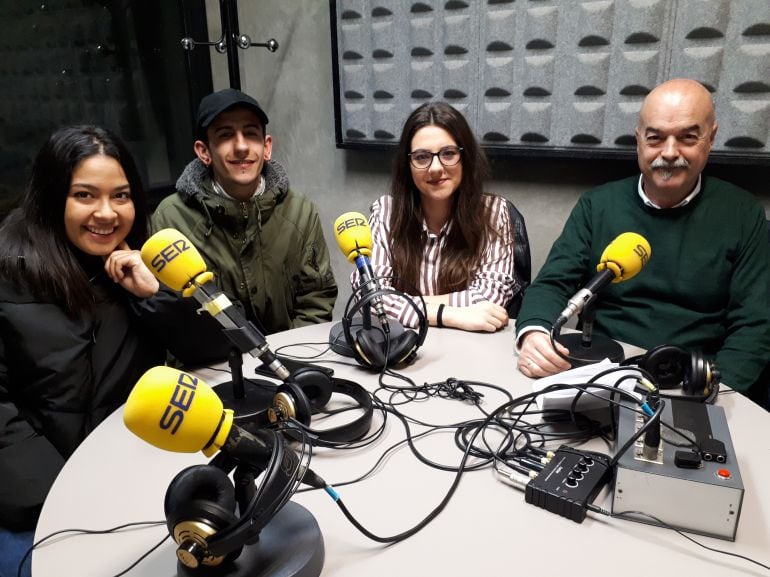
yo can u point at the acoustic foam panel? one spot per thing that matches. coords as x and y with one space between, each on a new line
550 76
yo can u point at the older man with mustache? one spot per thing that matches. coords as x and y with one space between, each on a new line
707 285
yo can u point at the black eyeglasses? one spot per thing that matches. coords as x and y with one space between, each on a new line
447 156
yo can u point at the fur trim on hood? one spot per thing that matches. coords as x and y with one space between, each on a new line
196 179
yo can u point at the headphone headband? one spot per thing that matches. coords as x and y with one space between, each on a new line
353 430
670 365
362 345
350 312
195 494
292 402
270 495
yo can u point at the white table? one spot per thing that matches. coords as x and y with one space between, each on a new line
487 528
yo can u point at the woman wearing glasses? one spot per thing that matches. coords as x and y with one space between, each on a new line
438 232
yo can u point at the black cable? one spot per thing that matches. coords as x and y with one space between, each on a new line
373 468
553 334
575 416
93 532
142 558
408 533
449 389
458 475
652 421
422 458
325 344
625 515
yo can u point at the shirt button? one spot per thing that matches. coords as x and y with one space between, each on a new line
243 286
254 290
235 235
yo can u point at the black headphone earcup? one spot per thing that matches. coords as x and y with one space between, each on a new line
316 386
666 364
369 349
200 502
696 379
403 348
290 402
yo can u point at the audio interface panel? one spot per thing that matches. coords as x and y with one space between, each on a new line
695 490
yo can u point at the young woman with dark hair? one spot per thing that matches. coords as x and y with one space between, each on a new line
438 233
71 348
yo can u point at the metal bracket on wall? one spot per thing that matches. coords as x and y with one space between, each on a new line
230 41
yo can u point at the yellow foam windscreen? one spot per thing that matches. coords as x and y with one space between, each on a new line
172 258
178 412
353 234
625 256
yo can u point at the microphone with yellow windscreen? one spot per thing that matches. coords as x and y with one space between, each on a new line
175 411
354 237
175 262
178 412
623 258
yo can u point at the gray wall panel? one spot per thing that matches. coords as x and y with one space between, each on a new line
295 87
555 76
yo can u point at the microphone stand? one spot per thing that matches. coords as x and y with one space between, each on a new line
586 348
289 545
244 401
358 323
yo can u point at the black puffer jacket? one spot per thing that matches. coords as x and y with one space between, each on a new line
59 378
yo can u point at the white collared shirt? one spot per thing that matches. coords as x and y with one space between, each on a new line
686 200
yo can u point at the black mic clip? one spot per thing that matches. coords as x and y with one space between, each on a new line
369 292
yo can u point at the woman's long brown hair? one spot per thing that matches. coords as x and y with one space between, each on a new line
470 215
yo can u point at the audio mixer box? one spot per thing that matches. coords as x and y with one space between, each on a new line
695 490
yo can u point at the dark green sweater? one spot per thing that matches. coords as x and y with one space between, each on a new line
706 287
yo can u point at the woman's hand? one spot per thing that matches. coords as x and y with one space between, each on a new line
126 268
537 357
483 316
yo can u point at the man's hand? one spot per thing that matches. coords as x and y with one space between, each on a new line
537 357
125 267
483 316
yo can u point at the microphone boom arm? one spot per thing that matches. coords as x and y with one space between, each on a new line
241 331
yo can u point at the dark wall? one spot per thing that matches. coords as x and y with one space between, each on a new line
116 63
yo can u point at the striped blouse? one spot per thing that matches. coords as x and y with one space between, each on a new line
492 280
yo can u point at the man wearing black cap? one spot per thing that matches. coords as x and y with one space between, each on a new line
263 241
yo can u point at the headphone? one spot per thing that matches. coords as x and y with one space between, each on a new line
200 504
671 365
372 347
307 392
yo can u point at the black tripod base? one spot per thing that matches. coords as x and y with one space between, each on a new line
337 334
257 395
601 348
290 545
